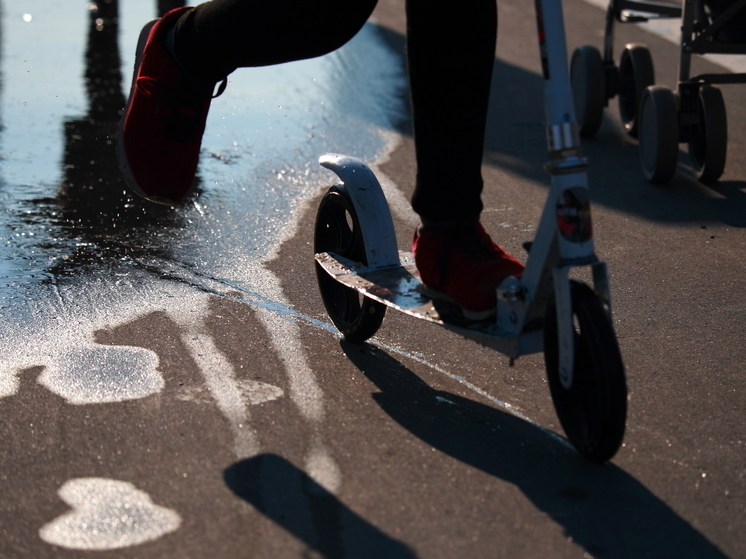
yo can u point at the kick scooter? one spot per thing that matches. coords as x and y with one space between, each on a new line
360 272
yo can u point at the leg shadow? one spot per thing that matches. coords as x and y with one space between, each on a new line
605 510
290 498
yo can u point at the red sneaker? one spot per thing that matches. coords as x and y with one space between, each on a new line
462 265
160 132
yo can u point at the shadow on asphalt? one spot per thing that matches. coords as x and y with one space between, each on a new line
603 509
289 497
515 141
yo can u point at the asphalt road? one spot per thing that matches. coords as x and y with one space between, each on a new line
164 400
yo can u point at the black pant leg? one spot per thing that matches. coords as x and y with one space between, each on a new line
451 53
219 36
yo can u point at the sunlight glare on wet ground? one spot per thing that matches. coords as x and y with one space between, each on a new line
76 246
60 190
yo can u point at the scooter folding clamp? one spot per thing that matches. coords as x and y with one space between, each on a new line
512 301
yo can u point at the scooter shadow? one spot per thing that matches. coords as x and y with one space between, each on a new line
603 509
293 500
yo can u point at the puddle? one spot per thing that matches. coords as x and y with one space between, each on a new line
67 222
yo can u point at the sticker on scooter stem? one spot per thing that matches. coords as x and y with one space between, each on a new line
574 215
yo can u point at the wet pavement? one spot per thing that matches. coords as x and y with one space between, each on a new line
79 255
170 385
61 106
73 237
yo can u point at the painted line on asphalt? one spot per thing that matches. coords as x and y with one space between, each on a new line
289 314
107 514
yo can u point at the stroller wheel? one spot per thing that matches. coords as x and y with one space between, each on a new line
707 149
659 134
636 74
588 88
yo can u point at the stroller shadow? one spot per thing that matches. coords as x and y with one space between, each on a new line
290 498
603 509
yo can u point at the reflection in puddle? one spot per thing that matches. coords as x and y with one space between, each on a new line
67 224
63 205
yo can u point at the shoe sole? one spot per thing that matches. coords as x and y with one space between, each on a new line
124 165
469 314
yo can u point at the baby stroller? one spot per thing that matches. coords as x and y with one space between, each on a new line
660 118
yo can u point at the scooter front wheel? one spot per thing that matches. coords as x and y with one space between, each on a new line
593 409
338 231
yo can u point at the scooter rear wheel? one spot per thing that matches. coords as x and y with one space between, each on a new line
338 231
593 409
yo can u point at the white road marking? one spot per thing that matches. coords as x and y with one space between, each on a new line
8 383
98 374
253 391
107 514
220 378
286 311
305 392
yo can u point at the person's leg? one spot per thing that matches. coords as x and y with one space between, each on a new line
451 52
219 36
183 55
450 55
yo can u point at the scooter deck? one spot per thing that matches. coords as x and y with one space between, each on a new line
400 288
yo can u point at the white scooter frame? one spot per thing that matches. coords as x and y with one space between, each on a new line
357 254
